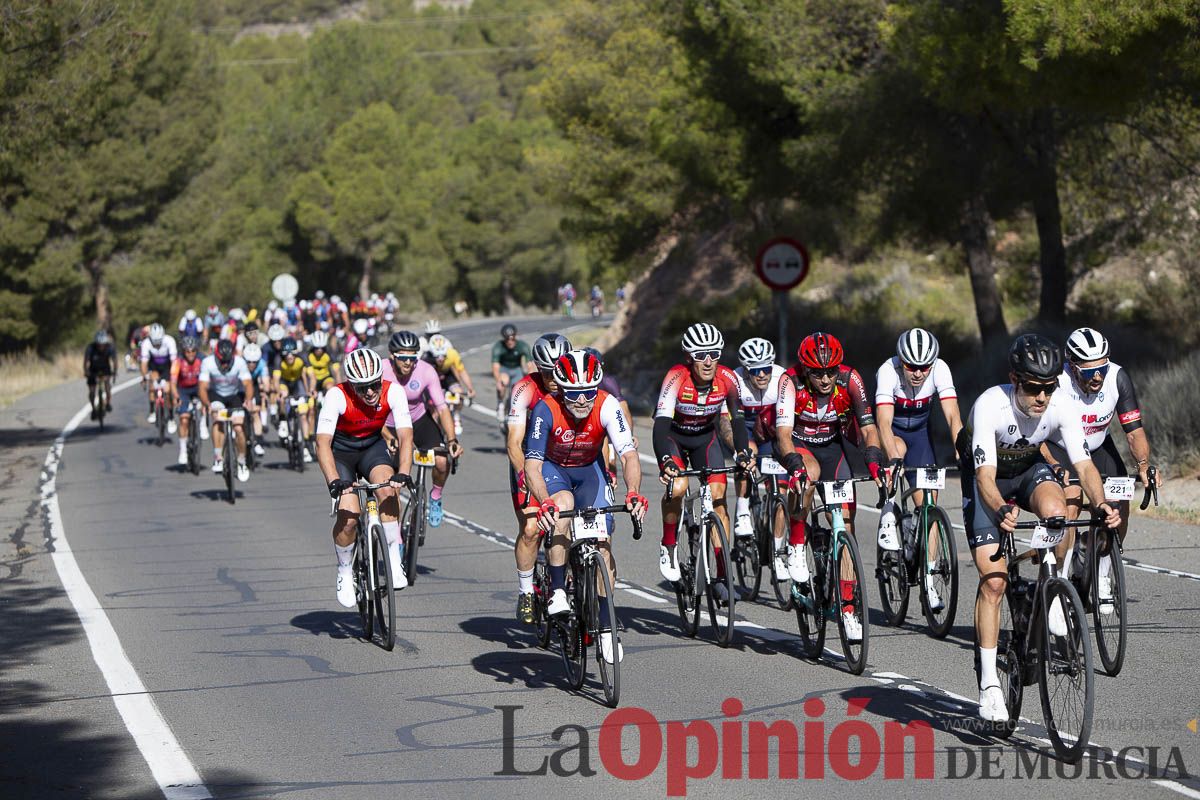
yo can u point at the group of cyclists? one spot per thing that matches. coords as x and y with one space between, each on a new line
568 426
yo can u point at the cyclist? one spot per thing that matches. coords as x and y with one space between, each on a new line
229 379
822 415
596 299
452 373
158 353
526 394
358 335
511 359
353 441
431 423
190 324
693 395
99 365
1002 469
185 385
433 327
325 371
1101 389
563 462
214 320
758 390
293 379
260 384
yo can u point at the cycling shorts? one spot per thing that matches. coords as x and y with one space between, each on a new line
838 459
1106 457
186 395
696 451
294 388
588 484
94 376
918 451
522 498
233 403
162 368
978 520
765 448
426 433
354 464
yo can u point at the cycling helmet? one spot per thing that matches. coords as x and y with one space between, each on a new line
508 330
548 348
251 327
335 299
276 333
290 345
578 369
319 340
820 351
190 314
403 340
272 305
917 347
224 353
237 314
439 345
432 326
213 310
1087 344
363 366
252 352
320 294
702 337
756 352
156 334
360 327
1034 356
189 343
102 337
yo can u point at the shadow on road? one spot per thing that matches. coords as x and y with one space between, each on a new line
334 624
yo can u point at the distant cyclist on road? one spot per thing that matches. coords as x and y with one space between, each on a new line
224 386
511 359
99 366
185 384
158 353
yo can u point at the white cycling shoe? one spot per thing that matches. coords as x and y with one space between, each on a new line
853 627
668 564
172 426
1057 618
204 433
345 588
305 455
258 450
606 648
182 456
797 564
1104 589
218 465
935 600
151 418
991 704
743 526
283 430
243 471
558 603
399 576
781 570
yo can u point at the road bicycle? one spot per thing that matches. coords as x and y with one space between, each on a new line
103 397
927 558
229 451
588 586
195 411
1030 652
836 588
416 512
699 570
751 556
160 413
295 440
374 591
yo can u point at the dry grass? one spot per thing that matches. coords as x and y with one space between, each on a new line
23 374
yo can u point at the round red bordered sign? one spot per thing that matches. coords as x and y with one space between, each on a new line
782 263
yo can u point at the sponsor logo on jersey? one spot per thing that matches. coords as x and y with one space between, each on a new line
537 428
980 455
414 384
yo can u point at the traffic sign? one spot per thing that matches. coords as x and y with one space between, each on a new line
782 263
285 287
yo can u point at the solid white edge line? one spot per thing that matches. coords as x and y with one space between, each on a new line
1178 787
173 771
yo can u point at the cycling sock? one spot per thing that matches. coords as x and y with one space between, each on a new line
525 581
798 532
987 667
558 577
847 590
778 543
435 493
670 530
344 555
391 532
743 506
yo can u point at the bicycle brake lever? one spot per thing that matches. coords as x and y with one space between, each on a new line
637 530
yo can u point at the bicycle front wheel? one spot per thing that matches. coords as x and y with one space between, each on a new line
1009 667
413 532
385 592
541 596
1109 614
808 599
362 585
603 605
572 635
230 465
747 565
939 574
687 593
781 582
892 576
720 612
854 625
1065 678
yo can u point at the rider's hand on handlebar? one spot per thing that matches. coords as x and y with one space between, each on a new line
1112 517
874 458
1006 517
455 448
401 480
745 460
547 516
668 470
338 487
637 505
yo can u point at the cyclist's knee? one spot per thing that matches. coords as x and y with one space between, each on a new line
992 586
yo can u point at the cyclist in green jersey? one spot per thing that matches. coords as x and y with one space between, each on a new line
511 360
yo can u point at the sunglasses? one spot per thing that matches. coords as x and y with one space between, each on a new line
405 357
365 388
1033 388
1088 375
824 373
707 355
756 371
579 395
915 368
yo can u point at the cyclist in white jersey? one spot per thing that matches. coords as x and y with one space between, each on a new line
225 386
1001 461
158 353
758 390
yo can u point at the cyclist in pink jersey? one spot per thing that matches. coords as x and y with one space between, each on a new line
423 388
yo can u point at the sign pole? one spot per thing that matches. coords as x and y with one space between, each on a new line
782 264
781 310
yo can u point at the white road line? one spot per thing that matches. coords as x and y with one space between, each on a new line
1180 788
177 778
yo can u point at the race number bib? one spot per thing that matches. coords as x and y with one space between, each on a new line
837 492
590 529
931 479
1118 488
770 466
1044 537
423 457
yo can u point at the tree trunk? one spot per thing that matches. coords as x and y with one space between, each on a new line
95 270
1052 256
506 291
974 233
364 281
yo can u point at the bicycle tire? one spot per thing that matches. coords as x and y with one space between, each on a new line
747 566
855 652
945 574
722 623
780 584
193 442
610 674
1111 649
412 538
571 642
892 576
1069 655
297 440
1009 665
362 586
808 601
160 421
385 590
541 595
230 465
686 597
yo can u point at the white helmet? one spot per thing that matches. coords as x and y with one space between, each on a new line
578 369
319 339
156 334
432 326
320 294
702 337
363 366
1086 344
335 299
918 347
756 352
272 305
439 345
276 333
360 327
548 348
252 352
190 314
237 313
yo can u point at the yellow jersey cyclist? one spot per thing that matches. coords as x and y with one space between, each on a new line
452 373
326 372
293 378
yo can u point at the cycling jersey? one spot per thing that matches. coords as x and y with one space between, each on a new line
159 357
320 365
452 362
1116 396
259 370
191 327
224 384
610 384
525 396
818 420
751 398
556 436
690 409
356 425
290 372
511 358
99 358
1008 439
422 388
912 404
186 374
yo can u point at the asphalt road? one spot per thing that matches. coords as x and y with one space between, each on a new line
227 614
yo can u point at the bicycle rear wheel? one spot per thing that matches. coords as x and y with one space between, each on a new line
809 598
193 444
747 565
720 614
160 422
781 583
1109 618
892 575
230 465
941 572
610 674
1065 677
687 594
850 563
296 440
385 591
415 531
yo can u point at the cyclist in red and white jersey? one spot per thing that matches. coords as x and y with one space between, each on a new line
353 441
693 395
185 385
526 394
758 391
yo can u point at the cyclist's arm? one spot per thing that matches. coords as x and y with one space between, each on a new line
399 404
629 418
883 416
496 362
112 358
275 379
943 383
785 418
461 375
886 382
526 358
725 430
534 451
619 431
175 374
953 417
204 391
862 410
741 439
87 361
989 492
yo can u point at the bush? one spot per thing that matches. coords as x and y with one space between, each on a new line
1172 419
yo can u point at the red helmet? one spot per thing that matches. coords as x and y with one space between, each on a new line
820 351
578 370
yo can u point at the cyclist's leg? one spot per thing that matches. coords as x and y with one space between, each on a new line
558 485
672 501
798 506
1108 461
851 462
712 456
237 420
91 384
983 537
218 429
528 536
378 465
590 485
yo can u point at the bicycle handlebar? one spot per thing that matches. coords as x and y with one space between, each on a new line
614 509
1151 485
1048 522
704 472
353 488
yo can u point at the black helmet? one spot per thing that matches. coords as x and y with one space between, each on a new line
508 330
224 353
1034 356
403 340
189 343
